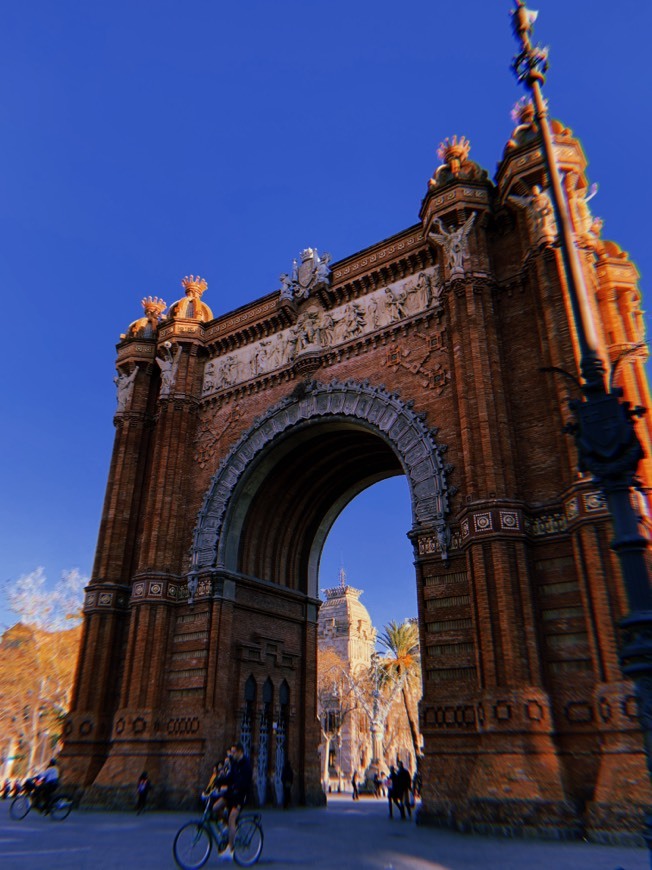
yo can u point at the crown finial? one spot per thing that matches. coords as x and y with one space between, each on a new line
455 166
194 286
454 152
153 306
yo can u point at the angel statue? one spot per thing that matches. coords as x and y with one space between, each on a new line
454 243
168 367
125 385
323 271
540 214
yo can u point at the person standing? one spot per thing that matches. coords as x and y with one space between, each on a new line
287 778
394 795
142 790
405 788
354 785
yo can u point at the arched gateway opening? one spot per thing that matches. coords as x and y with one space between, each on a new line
274 499
266 516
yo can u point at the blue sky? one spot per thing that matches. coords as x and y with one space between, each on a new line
143 141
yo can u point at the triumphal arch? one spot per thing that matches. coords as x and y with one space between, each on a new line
238 441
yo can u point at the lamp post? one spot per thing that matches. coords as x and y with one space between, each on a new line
604 432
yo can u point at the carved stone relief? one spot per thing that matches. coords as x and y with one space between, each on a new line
309 273
317 329
209 434
433 374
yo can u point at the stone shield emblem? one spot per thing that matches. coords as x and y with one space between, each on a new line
306 271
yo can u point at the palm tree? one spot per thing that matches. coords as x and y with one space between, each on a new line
403 662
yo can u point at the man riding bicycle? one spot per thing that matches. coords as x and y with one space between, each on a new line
238 782
46 785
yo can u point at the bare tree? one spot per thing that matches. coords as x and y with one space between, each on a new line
37 661
335 702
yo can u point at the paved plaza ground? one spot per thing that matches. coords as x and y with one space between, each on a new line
342 836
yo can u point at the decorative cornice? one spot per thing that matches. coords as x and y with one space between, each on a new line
103 597
161 590
136 349
383 253
486 520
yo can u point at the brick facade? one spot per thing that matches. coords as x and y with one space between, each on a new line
421 355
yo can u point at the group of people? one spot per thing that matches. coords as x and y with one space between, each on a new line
399 786
400 790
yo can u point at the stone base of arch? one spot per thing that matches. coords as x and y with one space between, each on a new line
511 778
504 775
232 630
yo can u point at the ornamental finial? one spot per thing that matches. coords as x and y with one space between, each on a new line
194 286
456 166
153 307
532 62
454 152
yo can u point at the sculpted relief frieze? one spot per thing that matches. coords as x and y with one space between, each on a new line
317 330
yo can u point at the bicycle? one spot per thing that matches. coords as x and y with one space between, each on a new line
57 807
194 841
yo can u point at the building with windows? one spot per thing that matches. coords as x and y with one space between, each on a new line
346 642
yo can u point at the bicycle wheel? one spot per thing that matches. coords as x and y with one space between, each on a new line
192 846
61 808
20 806
248 843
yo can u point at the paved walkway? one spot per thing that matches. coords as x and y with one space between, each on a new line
344 836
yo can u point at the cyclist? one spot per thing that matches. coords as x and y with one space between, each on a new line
46 785
238 782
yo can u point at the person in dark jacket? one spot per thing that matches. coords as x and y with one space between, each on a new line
287 778
238 783
405 788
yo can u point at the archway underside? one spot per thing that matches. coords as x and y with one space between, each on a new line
305 486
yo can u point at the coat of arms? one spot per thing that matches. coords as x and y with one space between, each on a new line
308 274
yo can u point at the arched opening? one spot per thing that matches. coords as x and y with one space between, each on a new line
261 533
369 540
368 591
276 495
298 491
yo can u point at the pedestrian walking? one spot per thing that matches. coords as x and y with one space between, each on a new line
405 789
354 785
143 788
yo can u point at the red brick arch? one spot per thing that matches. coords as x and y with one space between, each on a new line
276 495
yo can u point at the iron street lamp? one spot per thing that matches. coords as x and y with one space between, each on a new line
604 432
